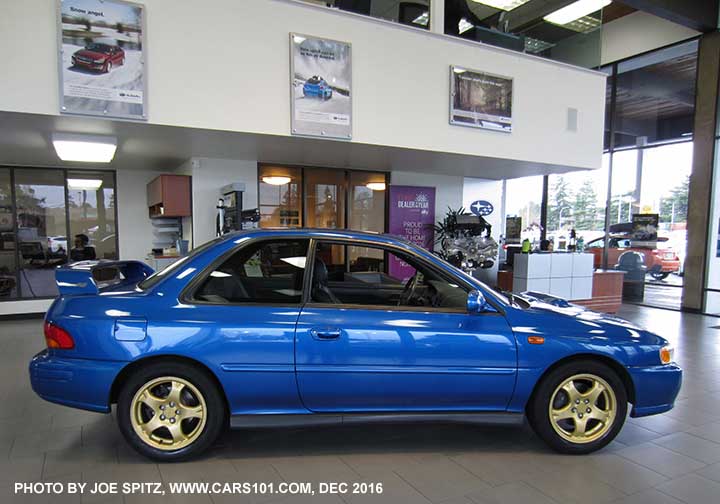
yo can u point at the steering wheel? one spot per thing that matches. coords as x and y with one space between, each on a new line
408 291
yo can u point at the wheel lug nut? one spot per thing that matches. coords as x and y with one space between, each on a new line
162 417
580 415
177 412
587 401
574 410
172 420
577 401
172 404
588 410
162 406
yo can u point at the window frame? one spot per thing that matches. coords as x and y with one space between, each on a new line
187 295
387 247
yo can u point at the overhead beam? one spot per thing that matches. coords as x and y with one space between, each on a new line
701 15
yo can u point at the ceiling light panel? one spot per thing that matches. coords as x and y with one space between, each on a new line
575 11
84 148
506 5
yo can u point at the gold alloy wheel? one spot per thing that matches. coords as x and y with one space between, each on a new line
582 408
168 413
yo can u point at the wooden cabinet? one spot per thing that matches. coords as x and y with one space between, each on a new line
169 196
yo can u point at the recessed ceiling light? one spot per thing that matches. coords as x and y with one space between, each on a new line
84 148
376 186
576 10
276 180
506 5
84 184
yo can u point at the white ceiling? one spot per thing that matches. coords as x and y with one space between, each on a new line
25 140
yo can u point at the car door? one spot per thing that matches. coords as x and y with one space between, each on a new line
410 351
241 314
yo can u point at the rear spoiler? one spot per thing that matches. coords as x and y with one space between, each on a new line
93 277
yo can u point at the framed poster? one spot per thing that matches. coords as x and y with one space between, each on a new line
411 216
645 229
102 58
480 100
320 87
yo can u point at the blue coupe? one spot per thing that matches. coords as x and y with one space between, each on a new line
269 328
317 87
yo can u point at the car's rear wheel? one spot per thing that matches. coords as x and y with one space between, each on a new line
579 407
170 411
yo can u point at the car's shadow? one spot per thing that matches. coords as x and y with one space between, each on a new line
85 71
445 438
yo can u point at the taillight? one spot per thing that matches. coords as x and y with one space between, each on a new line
56 337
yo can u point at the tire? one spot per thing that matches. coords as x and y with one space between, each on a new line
660 275
564 435
199 414
108 67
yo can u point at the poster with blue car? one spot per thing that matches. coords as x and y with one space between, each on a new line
321 87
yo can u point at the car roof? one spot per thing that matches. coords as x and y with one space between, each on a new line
316 233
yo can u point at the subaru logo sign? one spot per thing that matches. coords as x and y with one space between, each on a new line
481 208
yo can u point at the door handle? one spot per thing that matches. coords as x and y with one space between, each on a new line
325 334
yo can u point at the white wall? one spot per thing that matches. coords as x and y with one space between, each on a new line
223 65
637 33
135 233
209 175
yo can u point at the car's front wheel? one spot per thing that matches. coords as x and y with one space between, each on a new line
170 411
579 407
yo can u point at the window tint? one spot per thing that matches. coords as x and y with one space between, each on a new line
378 277
263 272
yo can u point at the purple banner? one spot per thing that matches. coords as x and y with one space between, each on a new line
412 216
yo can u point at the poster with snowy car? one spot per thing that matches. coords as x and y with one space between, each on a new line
321 87
480 100
102 60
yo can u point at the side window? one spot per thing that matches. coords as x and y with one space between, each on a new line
263 272
346 274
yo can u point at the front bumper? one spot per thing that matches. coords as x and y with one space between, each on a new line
656 388
78 383
90 65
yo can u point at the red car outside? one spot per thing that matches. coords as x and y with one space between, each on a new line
659 262
100 57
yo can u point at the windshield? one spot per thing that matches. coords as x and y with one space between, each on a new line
98 48
153 279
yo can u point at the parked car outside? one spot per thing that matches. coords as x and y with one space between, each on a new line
101 57
659 262
57 244
317 87
264 328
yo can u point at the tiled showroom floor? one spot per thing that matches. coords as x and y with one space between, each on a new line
670 458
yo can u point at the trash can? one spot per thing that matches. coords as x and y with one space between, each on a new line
633 264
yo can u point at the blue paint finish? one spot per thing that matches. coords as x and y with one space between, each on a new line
324 358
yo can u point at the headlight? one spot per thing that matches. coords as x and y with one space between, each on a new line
666 354
99 61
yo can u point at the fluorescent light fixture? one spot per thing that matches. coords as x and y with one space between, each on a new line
423 19
464 25
576 10
276 180
76 184
84 148
376 186
506 5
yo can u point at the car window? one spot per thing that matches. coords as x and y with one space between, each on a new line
347 274
269 271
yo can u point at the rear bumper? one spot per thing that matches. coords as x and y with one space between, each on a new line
78 383
656 388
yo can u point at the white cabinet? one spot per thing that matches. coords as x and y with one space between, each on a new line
565 275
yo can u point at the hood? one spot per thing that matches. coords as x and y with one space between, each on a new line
551 316
87 53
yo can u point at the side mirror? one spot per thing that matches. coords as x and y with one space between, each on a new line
476 302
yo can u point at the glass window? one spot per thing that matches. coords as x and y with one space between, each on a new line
91 204
577 201
366 209
523 198
280 196
656 96
264 272
415 13
8 263
324 198
42 229
367 281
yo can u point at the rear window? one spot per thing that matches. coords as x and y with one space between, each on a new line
153 279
